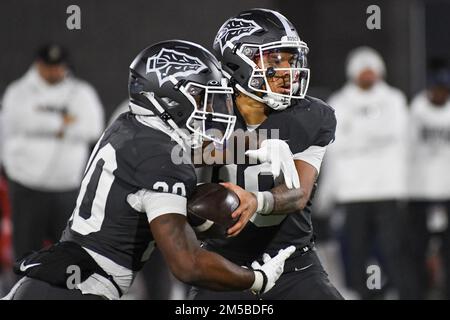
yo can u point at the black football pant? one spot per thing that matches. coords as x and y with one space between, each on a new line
303 279
374 229
418 240
38 216
33 289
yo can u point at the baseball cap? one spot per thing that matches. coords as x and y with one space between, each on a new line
52 54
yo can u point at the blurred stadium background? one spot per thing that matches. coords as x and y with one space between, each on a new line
412 33
112 33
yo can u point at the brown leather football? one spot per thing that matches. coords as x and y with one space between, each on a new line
213 202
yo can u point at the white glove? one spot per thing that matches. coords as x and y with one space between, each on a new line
277 153
267 274
136 200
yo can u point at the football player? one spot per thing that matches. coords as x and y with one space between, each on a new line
172 85
265 61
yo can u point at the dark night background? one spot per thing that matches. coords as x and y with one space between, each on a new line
113 32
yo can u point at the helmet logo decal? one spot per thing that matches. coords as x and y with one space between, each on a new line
170 63
233 30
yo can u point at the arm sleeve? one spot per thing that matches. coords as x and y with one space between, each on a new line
22 115
89 116
403 118
160 203
313 155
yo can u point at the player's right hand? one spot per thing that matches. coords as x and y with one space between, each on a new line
267 274
279 155
247 208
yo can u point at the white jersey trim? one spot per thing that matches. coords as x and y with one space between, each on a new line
159 203
313 155
101 286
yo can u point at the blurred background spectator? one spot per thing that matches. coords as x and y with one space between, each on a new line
367 168
6 257
50 118
429 182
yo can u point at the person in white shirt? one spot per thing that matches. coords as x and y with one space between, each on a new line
50 119
365 172
429 179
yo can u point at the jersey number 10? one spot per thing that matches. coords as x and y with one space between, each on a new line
89 212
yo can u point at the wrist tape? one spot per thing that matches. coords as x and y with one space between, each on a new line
260 283
265 201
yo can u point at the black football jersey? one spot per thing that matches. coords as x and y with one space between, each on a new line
308 122
130 156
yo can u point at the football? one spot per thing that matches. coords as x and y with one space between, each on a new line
211 204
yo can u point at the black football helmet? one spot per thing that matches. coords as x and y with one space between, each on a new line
259 47
182 83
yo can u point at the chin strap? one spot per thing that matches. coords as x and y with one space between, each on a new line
273 101
188 140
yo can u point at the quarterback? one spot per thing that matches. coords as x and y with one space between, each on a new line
265 61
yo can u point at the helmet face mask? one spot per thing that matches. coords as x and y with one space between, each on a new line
280 69
212 117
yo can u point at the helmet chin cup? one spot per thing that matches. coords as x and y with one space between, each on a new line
276 102
195 140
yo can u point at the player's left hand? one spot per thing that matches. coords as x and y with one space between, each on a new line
279 155
247 208
272 268
136 200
